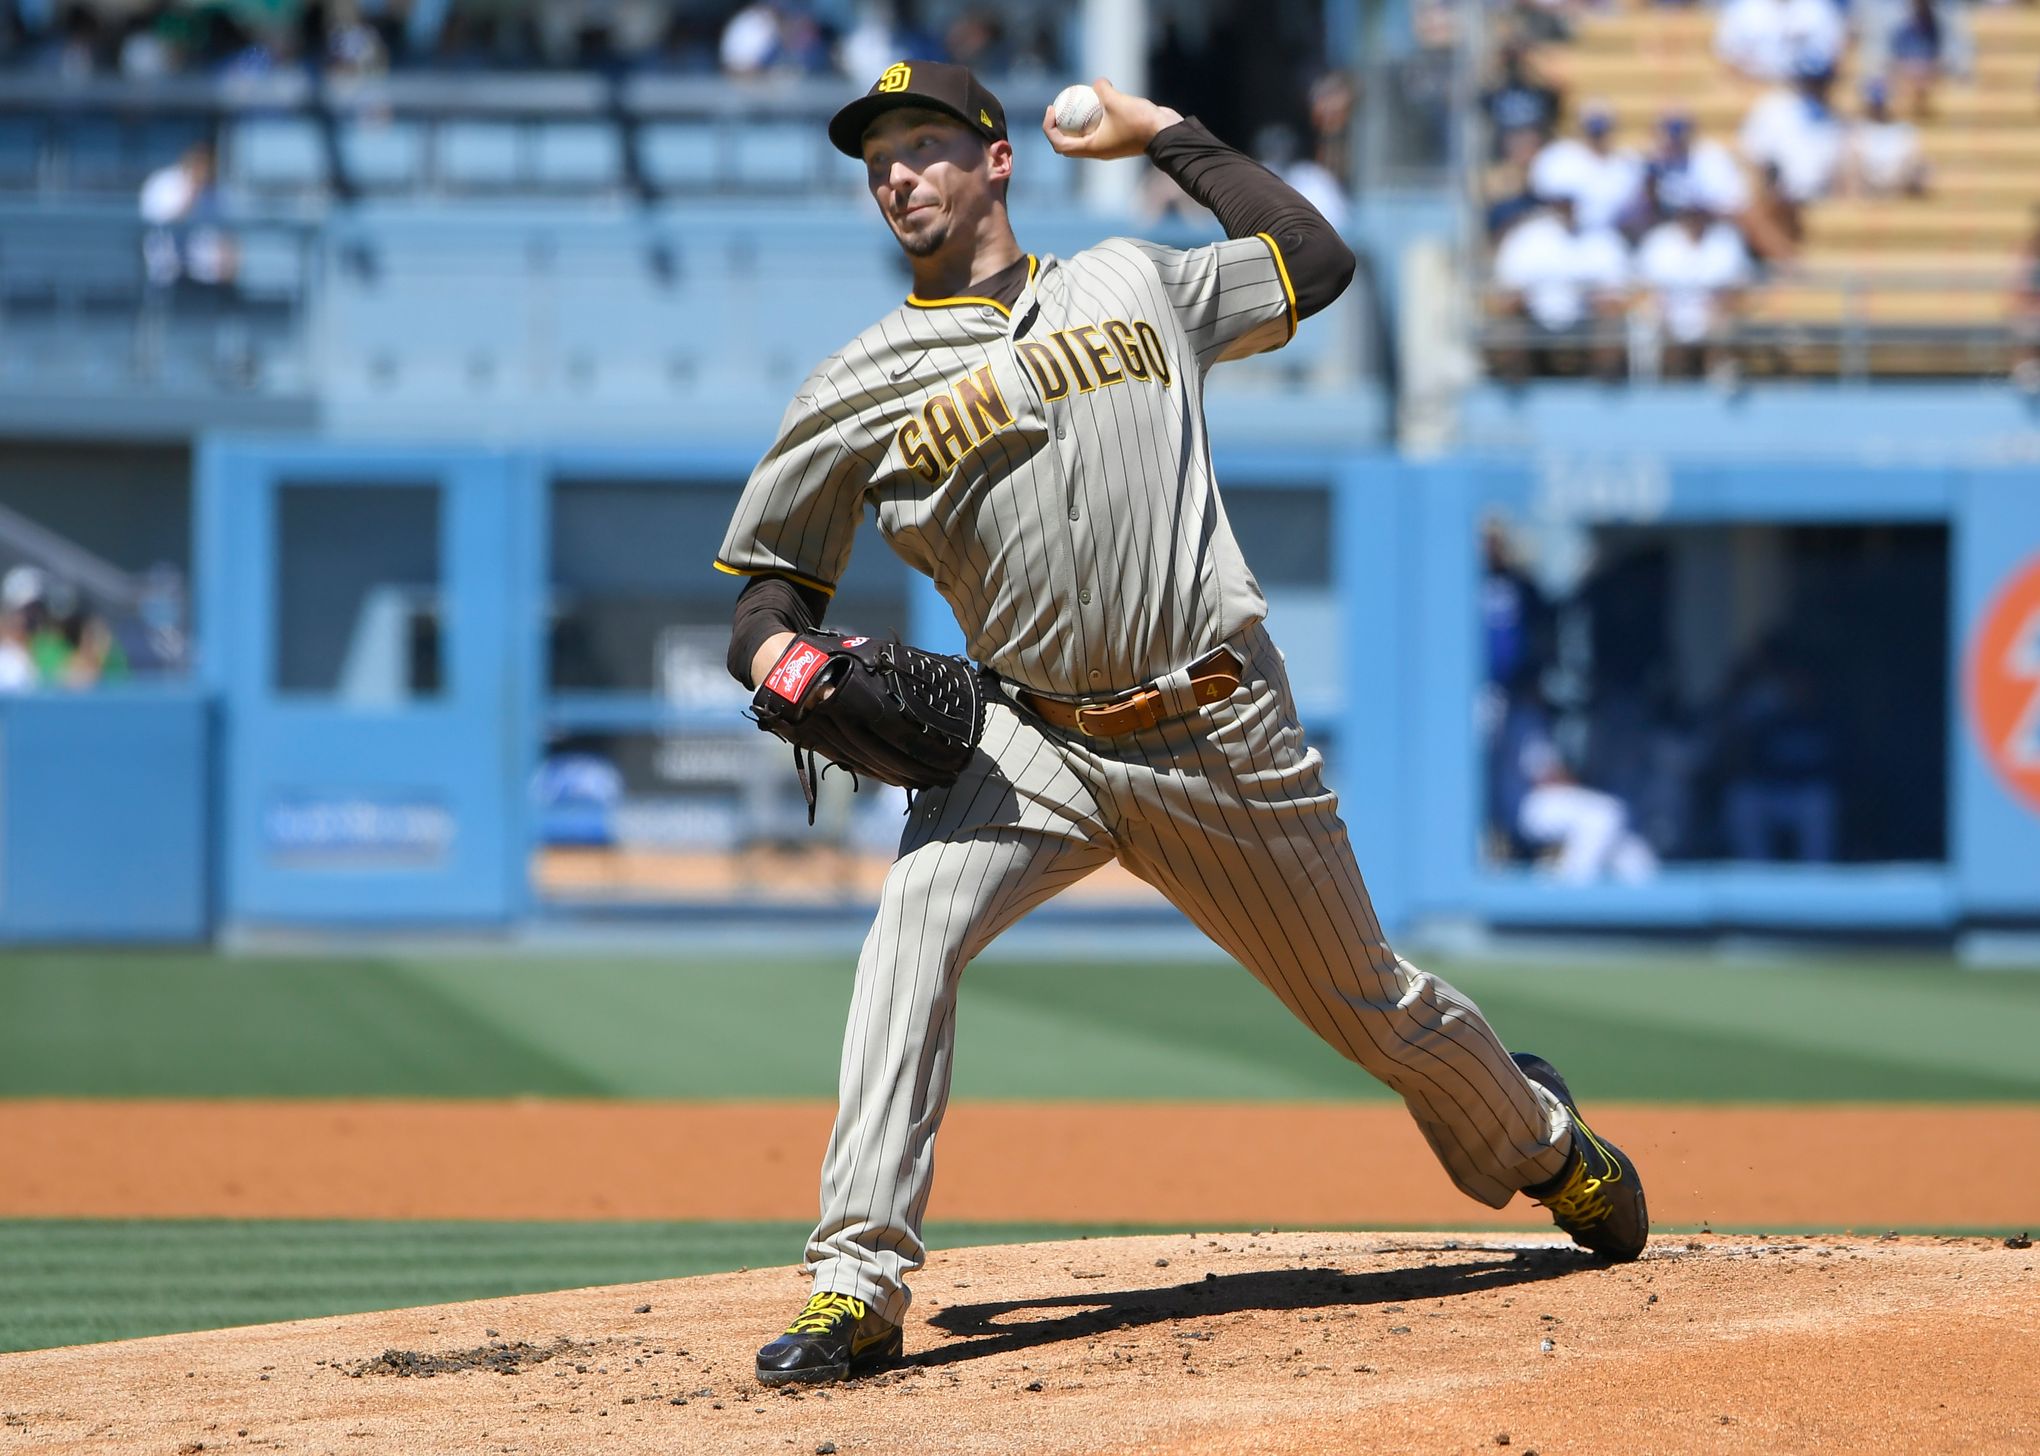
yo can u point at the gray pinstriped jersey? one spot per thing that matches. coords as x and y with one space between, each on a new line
1046 466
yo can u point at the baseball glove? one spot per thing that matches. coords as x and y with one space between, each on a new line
873 706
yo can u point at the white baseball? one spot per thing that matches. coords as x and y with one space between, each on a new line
1077 110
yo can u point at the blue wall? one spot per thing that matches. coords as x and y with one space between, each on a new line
1392 657
105 816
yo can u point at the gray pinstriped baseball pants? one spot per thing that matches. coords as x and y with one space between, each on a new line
1226 813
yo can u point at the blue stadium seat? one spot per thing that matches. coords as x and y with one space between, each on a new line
776 154
277 154
477 156
679 156
272 267
20 154
577 156
383 156
96 156
164 139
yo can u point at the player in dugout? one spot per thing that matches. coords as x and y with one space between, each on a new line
1030 432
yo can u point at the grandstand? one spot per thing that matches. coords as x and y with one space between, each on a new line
494 345
1902 285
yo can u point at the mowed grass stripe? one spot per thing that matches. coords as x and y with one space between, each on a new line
75 1282
70 1283
1670 1028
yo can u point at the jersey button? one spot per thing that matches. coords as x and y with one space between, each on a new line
1097 677
1084 596
1073 513
1058 432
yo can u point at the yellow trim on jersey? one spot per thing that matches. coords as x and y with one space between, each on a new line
813 583
1032 264
1288 289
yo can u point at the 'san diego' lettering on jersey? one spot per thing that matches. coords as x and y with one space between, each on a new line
951 424
1083 357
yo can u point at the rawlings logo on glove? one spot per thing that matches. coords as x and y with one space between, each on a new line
873 706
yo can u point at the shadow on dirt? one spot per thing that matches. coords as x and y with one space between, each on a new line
1002 1328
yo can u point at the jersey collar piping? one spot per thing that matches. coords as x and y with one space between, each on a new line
1032 264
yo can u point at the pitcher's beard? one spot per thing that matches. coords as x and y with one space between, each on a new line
922 245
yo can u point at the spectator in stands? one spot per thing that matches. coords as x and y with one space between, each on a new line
1689 166
884 32
21 592
1521 109
1795 140
149 49
17 665
1695 267
75 52
184 241
773 35
1915 43
1586 831
1277 149
1602 182
1332 100
1883 156
2026 314
1567 284
1767 40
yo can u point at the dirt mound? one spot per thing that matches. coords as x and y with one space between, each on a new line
1270 1343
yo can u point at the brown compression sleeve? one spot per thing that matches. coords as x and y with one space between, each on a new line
1247 198
766 606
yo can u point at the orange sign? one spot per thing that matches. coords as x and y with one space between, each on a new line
2004 683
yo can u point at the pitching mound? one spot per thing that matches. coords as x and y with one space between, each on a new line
1274 1343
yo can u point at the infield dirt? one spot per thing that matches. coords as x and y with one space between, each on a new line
1204 1343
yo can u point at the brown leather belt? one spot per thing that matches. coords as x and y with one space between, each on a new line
1212 679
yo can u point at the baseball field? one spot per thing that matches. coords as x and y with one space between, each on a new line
1167 1218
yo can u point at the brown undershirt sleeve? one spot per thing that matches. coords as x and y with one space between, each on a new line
766 606
1247 198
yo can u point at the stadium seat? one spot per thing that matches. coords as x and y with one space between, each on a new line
577 156
775 154
277 156
272 266
478 156
165 139
21 144
96 156
383 156
679 156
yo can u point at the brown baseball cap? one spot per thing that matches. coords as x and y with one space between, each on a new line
937 85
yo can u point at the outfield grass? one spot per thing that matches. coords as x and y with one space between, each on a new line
191 1025
153 1024
74 1282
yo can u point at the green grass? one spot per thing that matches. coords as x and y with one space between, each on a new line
164 1025
71 1282
75 1281
149 1024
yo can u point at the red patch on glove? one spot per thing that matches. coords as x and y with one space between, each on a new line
795 669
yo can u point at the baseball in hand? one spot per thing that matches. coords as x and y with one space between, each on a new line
1077 110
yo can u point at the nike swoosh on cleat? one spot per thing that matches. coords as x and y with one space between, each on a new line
859 1343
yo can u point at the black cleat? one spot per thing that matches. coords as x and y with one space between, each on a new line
1597 1197
835 1338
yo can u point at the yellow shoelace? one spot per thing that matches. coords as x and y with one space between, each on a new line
823 1310
1581 1200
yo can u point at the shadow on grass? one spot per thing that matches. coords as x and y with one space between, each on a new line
1005 1327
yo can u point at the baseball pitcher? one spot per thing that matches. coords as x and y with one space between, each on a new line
1030 432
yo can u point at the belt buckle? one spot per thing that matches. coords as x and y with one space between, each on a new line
1084 728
